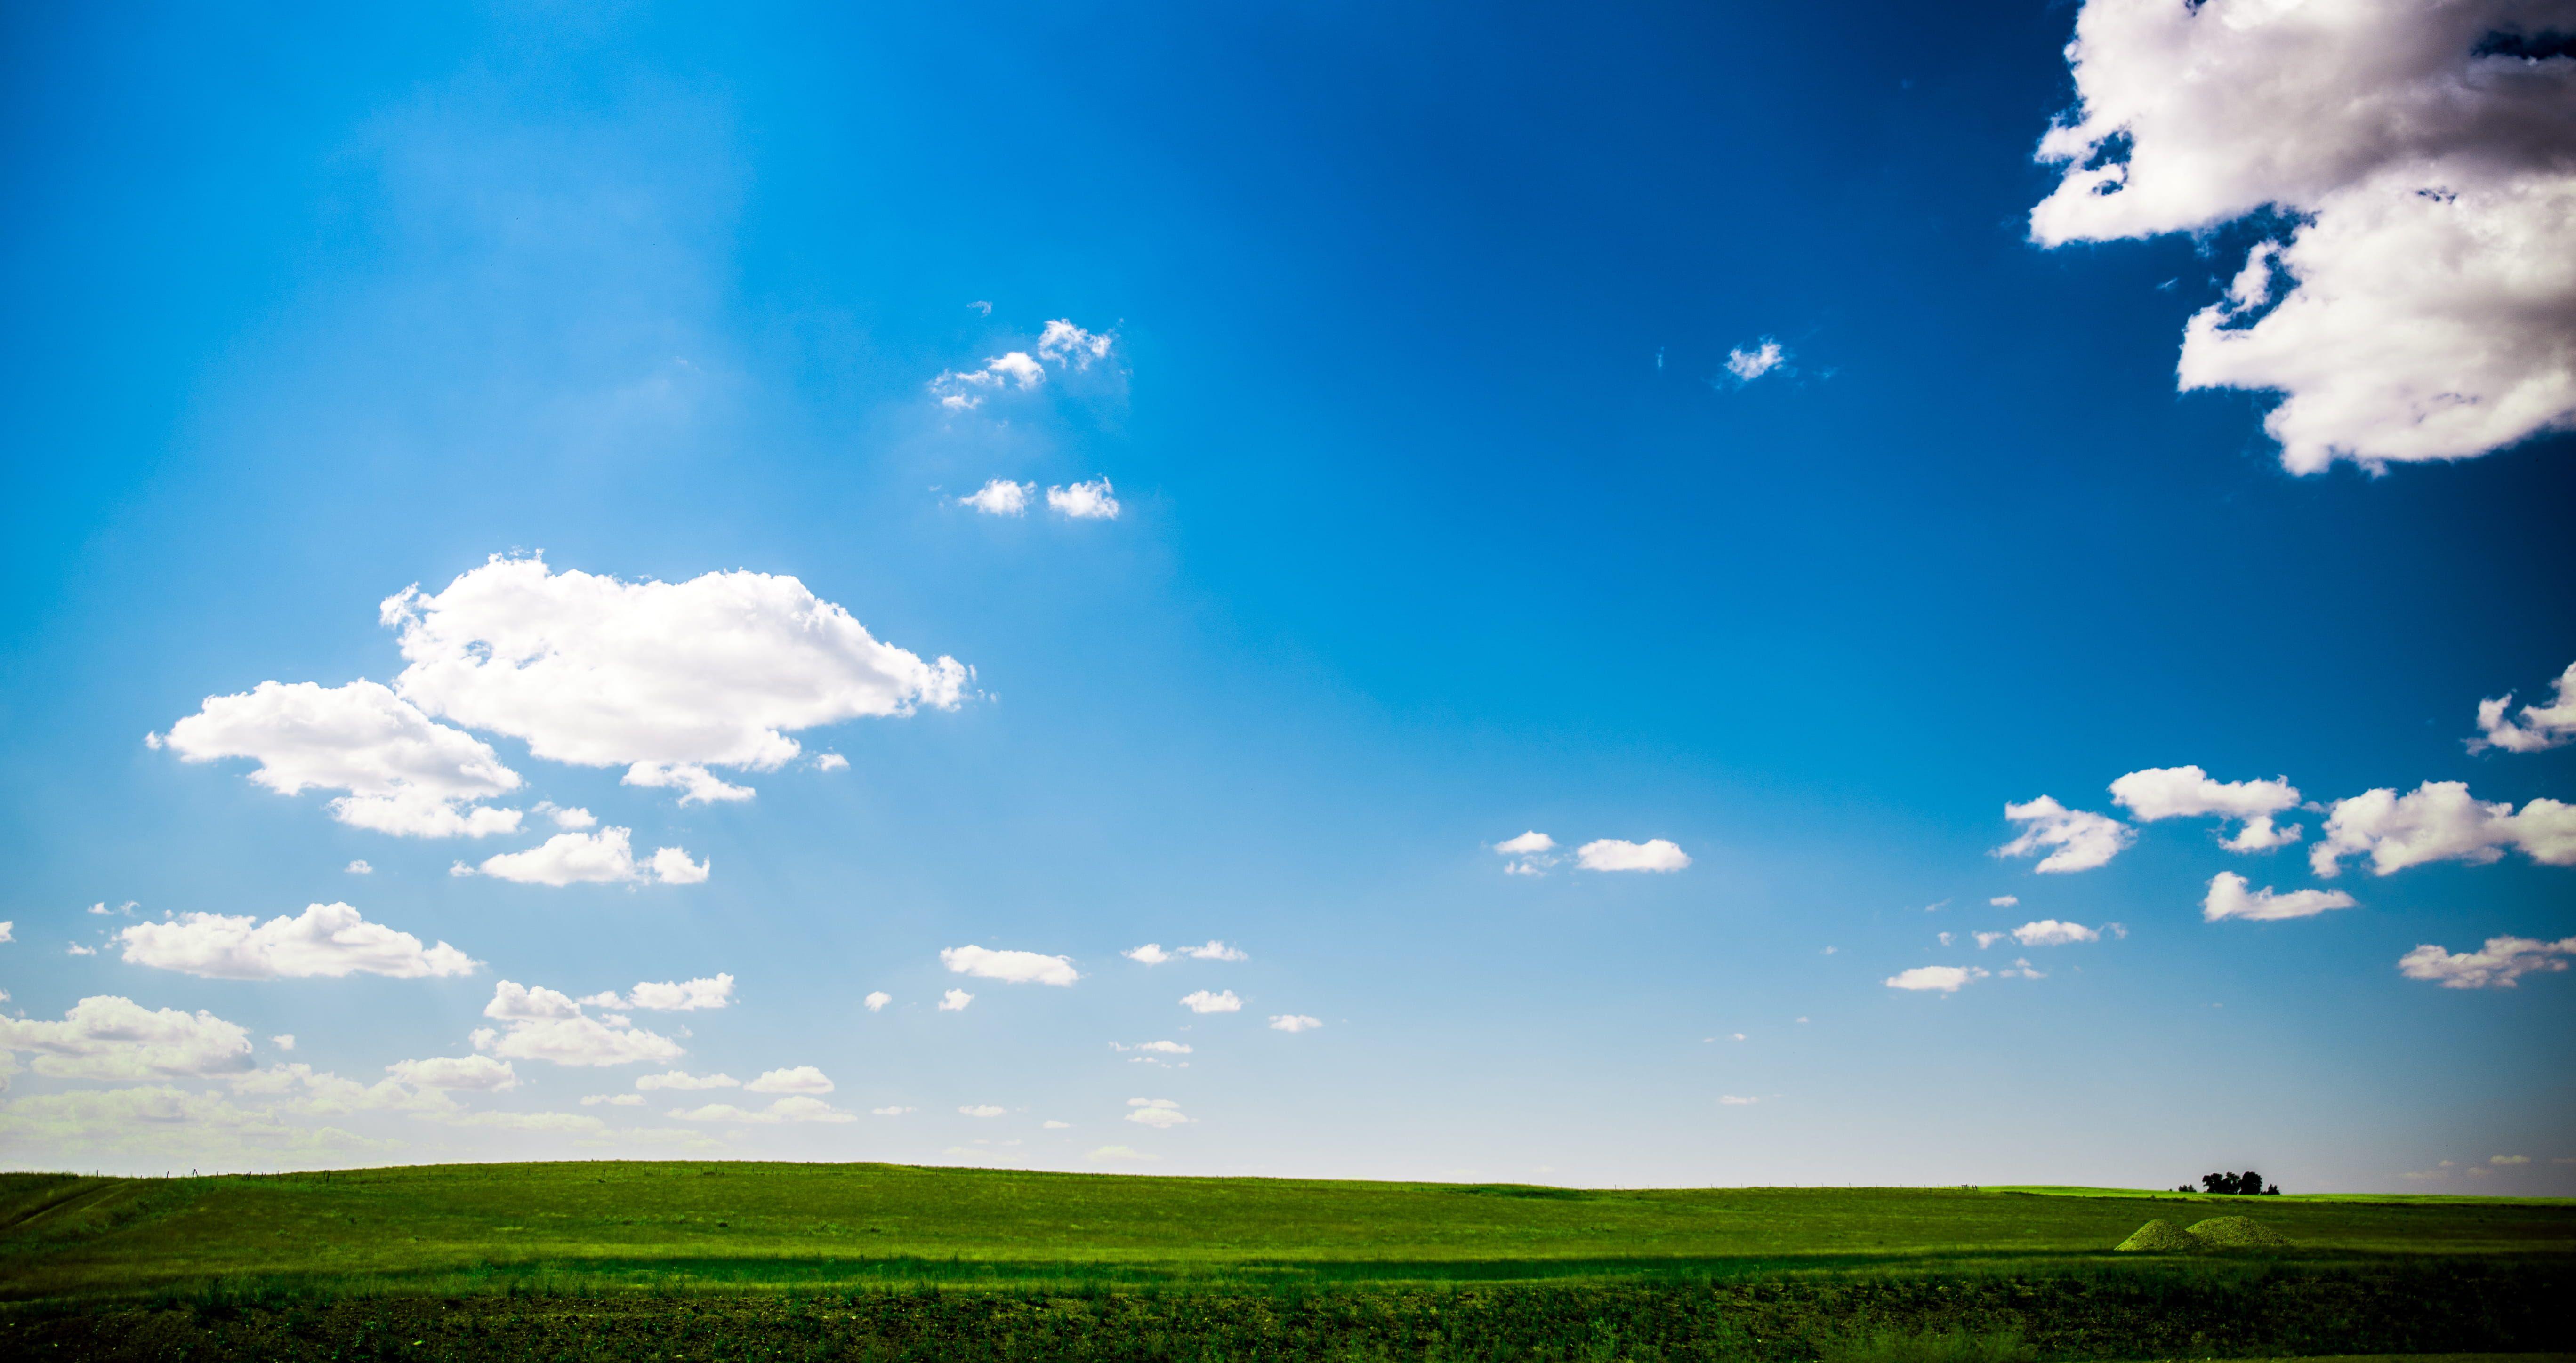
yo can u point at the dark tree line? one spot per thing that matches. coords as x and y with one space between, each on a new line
2248 1184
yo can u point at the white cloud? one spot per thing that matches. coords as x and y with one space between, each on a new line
2424 303
1615 854
801 1079
2536 728
2439 821
1157 1047
1737 1100
2227 898
360 868
613 1099
2006 901
2049 932
1748 364
1000 497
325 940
8 931
1090 501
1162 1114
665 678
1945 978
682 1079
685 996
955 1001
284 1041
696 784
1151 953
404 773
1294 1022
106 1036
77 949
2508 1159
877 1000
889 1111
2022 968
831 761
963 390
982 1110
1064 343
1201 1001
567 817
2187 792
1120 1153
1053 1125
545 1025
1527 844
2083 841
1013 967
606 857
474 1073
2497 965
797 1109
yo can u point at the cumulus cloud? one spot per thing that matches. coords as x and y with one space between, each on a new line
1737 1099
471 1073
360 868
325 940
1065 343
1000 497
888 1111
1153 954
1156 1047
1294 1022
2422 303
1616 854
684 996
1092 501
612 1099
106 1036
682 1079
877 1000
801 1079
1748 363
404 773
1201 1001
284 1041
696 784
831 761
1946 978
2006 901
2228 897
2049 932
1120 1153
982 1110
2440 821
545 1025
1160 1113
664 678
2188 792
797 1109
1011 967
955 1001
2498 965
2538 727
606 857
964 390
2081 840
1527 844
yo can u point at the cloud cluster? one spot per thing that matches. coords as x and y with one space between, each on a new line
1747 363
2188 792
1092 501
2423 302
606 857
1294 1022
2077 840
800 1079
106 1036
404 773
796 1109
2441 821
2498 965
1153 954
1161 1114
1201 1001
1011 967
542 1024
2229 897
672 996
2537 728
329 940
1533 852
1062 344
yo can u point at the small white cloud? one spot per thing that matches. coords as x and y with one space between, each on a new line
1155 1047
326 940
2508 1159
955 1001
76 949
284 1041
982 1110
982 306
2228 897
1946 978
1120 1153
2006 901
1065 343
1201 1001
1000 497
1527 844
798 1109
671 866
565 817
696 784
606 857
2440 821
2538 726
963 390
1214 951
2500 964
831 761
360 868
1615 854
1737 1099
1053 1125
1750 363
471 1073
8 931
890 1111
1294 1022
685 996
2188 792
2048 932
1011 967
612 1099
543 1024
1091 501
1159 1113
1151 954
801 1079
877 1000
2082 840
1946 938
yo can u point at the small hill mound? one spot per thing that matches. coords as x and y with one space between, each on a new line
2236 1232
2159 1235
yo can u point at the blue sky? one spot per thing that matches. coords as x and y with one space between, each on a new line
1412 353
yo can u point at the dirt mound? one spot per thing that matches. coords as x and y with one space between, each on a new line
2236 1232
2159 1235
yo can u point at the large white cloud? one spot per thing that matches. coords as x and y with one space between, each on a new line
404 773
2080 840
2497 965
2441 821
2229 897
2188 792
106 1036
665 678
325 940
2538 727
1946 979
2423 305
606 857
1618 854
543 1024
1014 967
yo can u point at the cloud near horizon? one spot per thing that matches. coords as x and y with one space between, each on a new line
325 941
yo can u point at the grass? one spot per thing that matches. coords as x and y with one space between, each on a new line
686 1260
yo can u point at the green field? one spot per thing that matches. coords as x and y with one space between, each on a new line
687 1260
